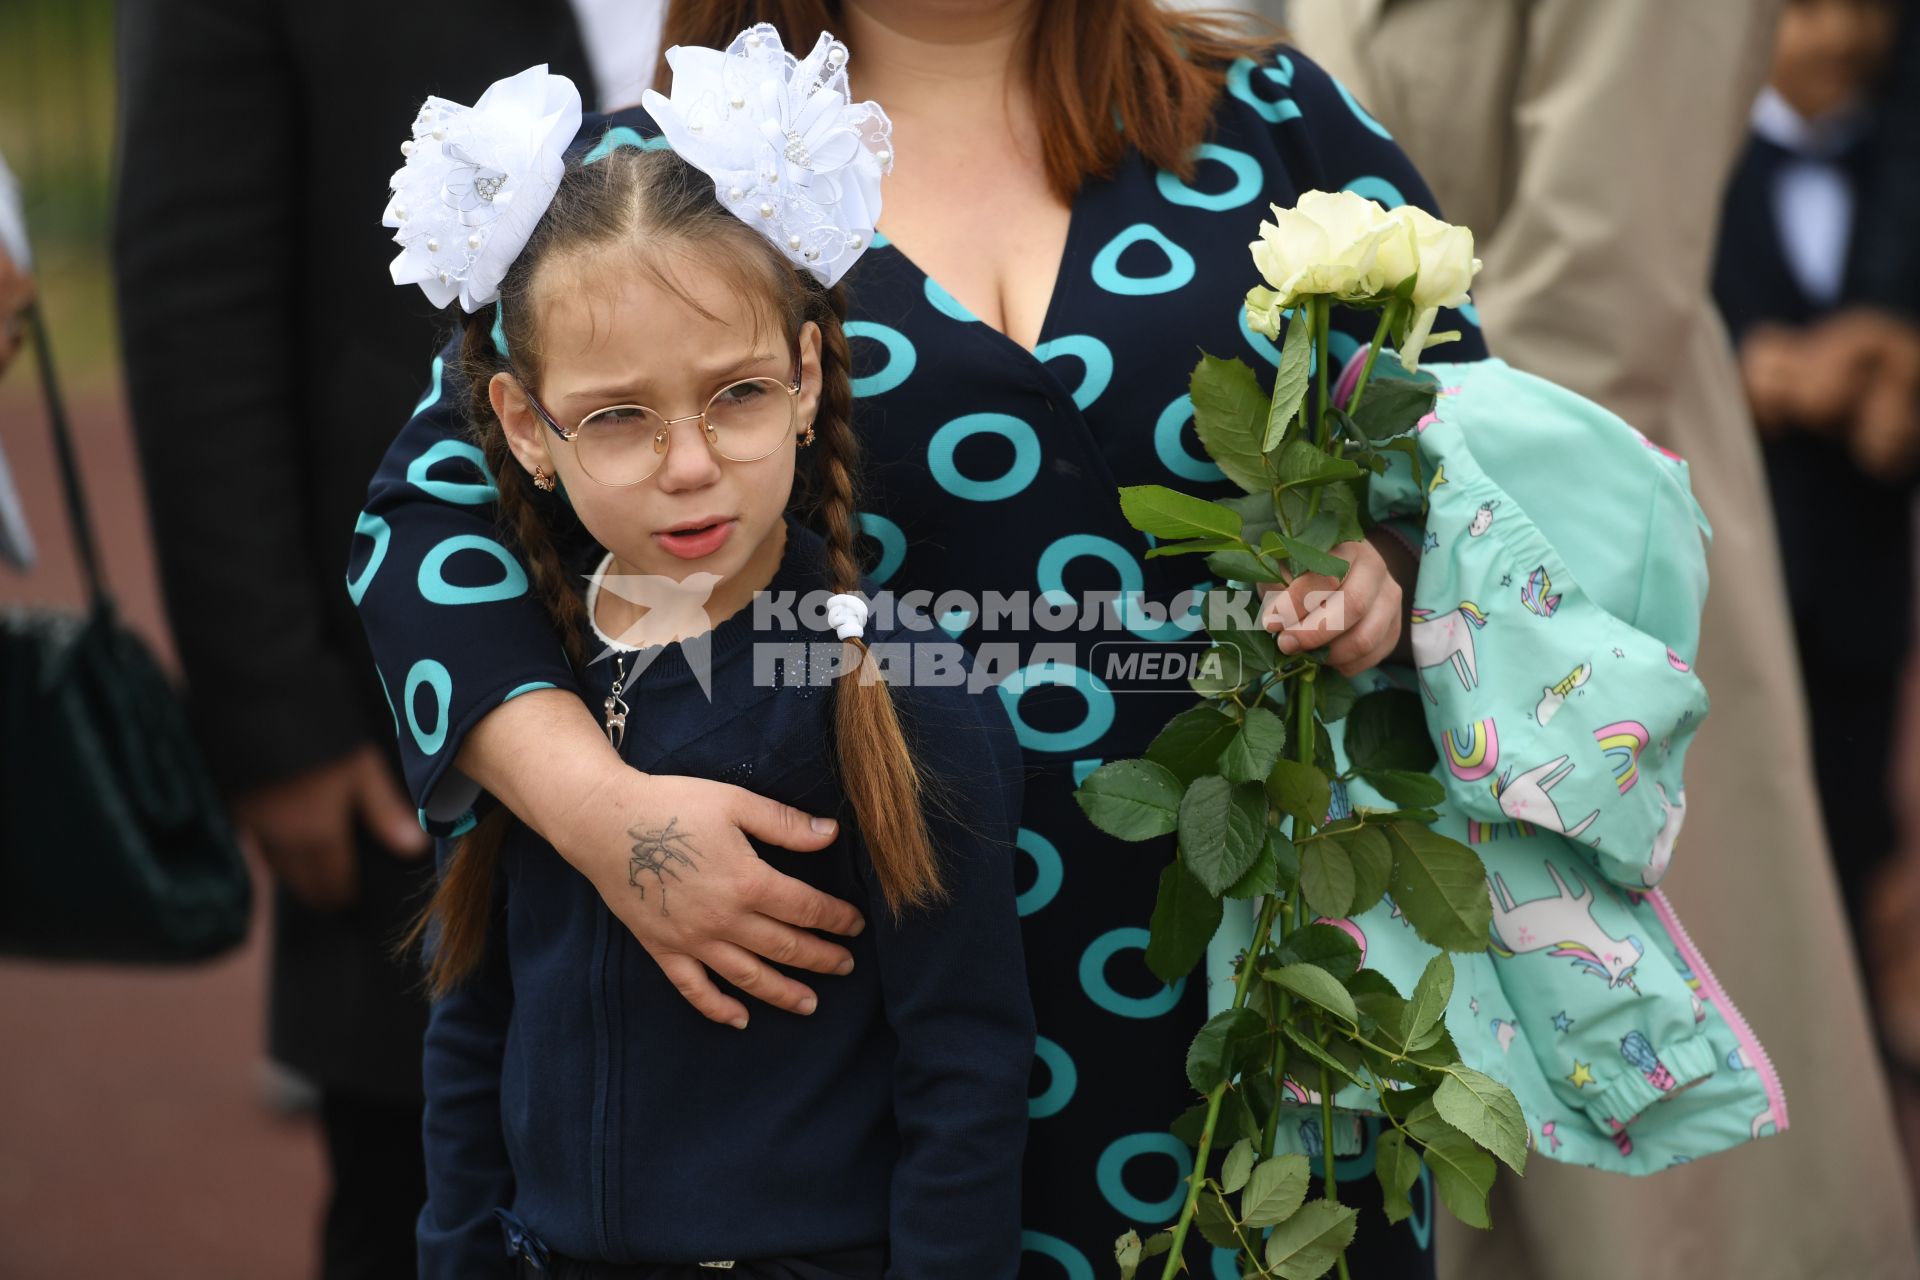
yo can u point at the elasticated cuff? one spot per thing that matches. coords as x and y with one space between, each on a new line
1648 1077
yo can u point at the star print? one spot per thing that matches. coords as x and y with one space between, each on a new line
1432 541
1506 579
1619 653
1474 1004
1582 1075
1562 1023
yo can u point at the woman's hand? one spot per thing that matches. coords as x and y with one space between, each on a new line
1361 619
668 855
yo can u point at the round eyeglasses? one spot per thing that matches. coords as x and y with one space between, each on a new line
624 444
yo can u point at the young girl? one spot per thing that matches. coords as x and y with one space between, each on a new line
658 389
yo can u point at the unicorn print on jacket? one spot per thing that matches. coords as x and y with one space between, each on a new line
1554 696
1447 638
1482 519
1525 798
1563 925
1673 813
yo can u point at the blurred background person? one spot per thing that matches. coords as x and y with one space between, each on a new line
1588 146
246 128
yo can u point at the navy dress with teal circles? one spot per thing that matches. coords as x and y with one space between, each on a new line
987 468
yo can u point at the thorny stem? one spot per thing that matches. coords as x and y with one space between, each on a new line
1198 1178
1373 352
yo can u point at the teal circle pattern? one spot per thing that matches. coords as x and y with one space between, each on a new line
1106 264
528 687
1049 871
1091 729
433 392
1226 1264
1469 313
901 357
1026 456
1359 112
1240 85
1377 189
461 493
613 139
436 677
946 304
893 545
1122 1152
1093 977
1073 1263
1170 445
382 534
437 590
1095 358
1051 576
1062 1079
1247 178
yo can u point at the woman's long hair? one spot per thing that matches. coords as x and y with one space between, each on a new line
1156 71
660 209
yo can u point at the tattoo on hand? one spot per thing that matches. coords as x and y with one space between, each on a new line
660 851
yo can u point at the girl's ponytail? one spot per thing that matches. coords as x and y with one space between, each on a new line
877 769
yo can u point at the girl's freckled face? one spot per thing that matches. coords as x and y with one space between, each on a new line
613 334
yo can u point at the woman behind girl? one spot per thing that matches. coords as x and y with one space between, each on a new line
574 1098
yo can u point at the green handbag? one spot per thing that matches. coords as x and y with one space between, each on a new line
114 845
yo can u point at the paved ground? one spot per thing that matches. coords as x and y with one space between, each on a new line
133 1141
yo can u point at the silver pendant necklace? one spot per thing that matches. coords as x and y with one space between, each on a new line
616 705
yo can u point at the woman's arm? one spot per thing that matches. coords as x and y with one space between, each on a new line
483 698
954 982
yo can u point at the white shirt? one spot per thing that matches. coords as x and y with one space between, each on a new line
622 38
1813 196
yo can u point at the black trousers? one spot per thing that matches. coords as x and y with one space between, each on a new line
379 1184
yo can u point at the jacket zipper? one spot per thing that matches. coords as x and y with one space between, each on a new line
1750 1046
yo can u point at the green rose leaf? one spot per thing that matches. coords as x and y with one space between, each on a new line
1333 695
1221 671
1307 1244
1185 917
1440 886
1215 1223
1326 878
1222 826
1255 511
1168 513
1230 417
1321 944
1191 1124
1404 787
1275 1191
1157 1243
1190 744
1304 465
1421 1024
1263 877
1301 790
1462 1172
1485 1110
1250 756
1320 1054
1388 730
1392 405
1131 799
1398 1168
1311 559
1316 986
1236 1167
1195 547
1212 1051
1242 566
1289 385
1372 859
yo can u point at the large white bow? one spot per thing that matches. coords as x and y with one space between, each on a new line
788 152
475 183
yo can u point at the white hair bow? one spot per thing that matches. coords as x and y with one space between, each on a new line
475 183
847 615
788 152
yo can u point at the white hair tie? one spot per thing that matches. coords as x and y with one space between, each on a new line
847 615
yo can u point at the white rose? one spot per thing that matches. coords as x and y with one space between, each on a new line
1324 245
1447 267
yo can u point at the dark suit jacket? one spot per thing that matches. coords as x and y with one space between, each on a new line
268 355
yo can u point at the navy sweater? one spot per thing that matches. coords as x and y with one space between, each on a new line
568 1082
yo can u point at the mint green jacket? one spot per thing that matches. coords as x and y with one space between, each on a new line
1555 620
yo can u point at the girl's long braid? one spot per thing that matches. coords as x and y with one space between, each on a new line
877 771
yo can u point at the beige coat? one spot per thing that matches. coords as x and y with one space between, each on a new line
1587 142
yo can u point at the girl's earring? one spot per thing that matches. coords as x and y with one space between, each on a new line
807 439
542 481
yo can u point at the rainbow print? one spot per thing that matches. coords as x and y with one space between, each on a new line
1622 742
1487 832
1472 752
